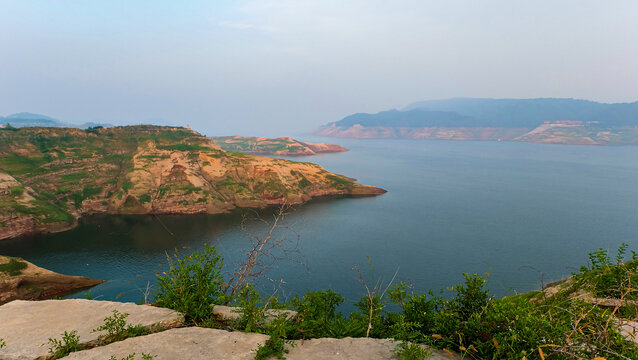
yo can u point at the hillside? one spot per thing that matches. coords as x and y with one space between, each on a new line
49 177
560 121
283 146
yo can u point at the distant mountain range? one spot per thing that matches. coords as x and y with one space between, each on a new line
551 120
25 119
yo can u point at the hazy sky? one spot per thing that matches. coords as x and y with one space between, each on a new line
284 67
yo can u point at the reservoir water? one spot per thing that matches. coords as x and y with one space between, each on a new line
525 213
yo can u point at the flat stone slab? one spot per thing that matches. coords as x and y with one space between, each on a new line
203 344
192 343
26 326
353 348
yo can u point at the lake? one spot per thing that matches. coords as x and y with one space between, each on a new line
524 213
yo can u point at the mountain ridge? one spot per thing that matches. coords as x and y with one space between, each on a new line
544 120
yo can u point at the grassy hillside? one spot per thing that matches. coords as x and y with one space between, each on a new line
51 176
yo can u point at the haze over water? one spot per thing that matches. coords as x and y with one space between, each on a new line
511 209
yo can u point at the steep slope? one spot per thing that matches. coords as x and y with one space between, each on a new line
49 177
283 146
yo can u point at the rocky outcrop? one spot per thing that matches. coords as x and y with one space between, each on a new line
27 326
30 282
51 177
281 146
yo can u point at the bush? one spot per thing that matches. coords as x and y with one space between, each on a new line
192 284
317 314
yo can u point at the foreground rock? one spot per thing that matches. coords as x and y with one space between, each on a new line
29 282
204 344
282 146
27 326
353 348
186 343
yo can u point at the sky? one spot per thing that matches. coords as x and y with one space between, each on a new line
279 68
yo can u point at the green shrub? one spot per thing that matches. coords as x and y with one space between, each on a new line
192 284
317 314
252 316
117 329
607 278
144 198
410 351
13 268
69 343
16 190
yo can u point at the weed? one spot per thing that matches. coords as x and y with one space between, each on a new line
410 351
117 329
69 343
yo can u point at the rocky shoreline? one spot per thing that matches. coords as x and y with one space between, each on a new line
22 280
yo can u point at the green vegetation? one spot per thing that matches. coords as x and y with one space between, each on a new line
69 343
183 147
16 190
465 319
73 177
13 267
340 181
192 284
610 278
2 343
144 198
117 329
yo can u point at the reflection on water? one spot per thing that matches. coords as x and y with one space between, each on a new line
451 207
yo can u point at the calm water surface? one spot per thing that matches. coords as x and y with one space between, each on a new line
519 211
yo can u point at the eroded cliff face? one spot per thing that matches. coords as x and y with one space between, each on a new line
50 177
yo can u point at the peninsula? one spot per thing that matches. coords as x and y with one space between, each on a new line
20 279
282 146
50 177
